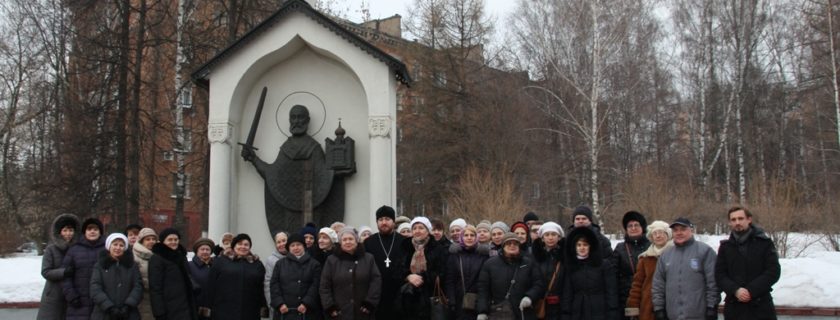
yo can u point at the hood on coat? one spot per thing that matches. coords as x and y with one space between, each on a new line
177 256
595 254
126 260
541 255
58 223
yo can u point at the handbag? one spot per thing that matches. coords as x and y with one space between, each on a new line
540 305
502 310
439 303
470 298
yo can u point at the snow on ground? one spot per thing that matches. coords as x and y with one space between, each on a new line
21 279
809 279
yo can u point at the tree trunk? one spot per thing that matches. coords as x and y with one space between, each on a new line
136 151
120 189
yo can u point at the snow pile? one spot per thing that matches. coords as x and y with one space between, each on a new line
811 281
21 281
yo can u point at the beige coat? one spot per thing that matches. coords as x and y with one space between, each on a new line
142 257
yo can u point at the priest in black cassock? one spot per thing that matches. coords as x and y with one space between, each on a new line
385 246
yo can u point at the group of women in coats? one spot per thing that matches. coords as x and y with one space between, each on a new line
552 277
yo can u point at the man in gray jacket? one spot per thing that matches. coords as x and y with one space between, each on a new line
684 282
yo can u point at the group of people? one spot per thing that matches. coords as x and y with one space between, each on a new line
529 270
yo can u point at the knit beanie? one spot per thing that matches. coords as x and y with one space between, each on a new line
351 231
519 224
499 225
658 225
550 227
169 231
509 236
421 220
115 236
330 233
461 223
403 226
146 232
203 242
530 216
386 211
310 230
582 211
483 225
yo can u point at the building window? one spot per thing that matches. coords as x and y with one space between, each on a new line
175 186
168 156
440 79
185 98
187 147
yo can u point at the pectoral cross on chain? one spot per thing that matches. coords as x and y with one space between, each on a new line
387 262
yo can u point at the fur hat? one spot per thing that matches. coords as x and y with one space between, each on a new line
330 233
363 229
115 236
167 232
386 211
146 232
422 220
499 225
550 227
203 242
582 211
461 223
297 237
634 216
658 225
241 237
92 221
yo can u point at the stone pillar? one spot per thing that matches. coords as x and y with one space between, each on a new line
379 129
219 136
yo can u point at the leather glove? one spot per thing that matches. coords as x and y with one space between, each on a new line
525 303
660 315
68 272
711 314
482 317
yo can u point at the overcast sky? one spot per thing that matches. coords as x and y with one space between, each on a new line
499 9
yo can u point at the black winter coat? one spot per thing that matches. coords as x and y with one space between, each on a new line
466 261
387 247
348 283
295 281
495 278
199 275
82 256
590 288
549 262
625 259
52 299
752 264
170 286
116 284
414 302
235 287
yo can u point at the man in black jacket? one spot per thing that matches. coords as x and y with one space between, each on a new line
386 248
747 267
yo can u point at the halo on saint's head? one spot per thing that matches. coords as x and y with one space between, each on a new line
316 107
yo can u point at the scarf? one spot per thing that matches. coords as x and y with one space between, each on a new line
418 259
653 251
